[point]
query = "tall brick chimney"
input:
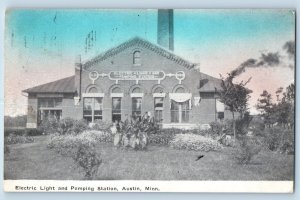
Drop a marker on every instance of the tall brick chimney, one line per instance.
(165, 26)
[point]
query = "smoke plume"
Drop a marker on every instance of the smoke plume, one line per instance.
(289, 47)
(269, 59)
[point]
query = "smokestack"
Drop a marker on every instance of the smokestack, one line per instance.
(165, 33)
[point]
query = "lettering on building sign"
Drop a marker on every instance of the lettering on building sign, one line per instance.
(137, 75)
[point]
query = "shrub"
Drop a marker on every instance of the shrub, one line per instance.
(87, 158)
(99, 136)
(50, 125)
(216, 128)
(18, 139)
(71, 126)
(22, 131)
(101, 125)
(195, 142)
(33, 132)
(161, 139)
(81, 148)
(245, 151)
(279, 139)
(15, 131)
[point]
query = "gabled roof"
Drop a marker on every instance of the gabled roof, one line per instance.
(144, 43)
(209, 83)
(65, 85)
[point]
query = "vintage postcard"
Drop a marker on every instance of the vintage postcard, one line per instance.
(149, 100)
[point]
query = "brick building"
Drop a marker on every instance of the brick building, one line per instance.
(128, 80)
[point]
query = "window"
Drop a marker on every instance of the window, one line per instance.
(49, 107)
(137, 107)
(180, 112)
(93, 90)
(158, 109)
(116, 109)
(220, 108)
(92, 108)
(137, 58)
(180, 90)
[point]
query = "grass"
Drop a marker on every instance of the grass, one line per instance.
(36, 161)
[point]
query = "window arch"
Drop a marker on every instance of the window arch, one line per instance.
(158, 90)
(137, 58)
(137, 90)
(116, 90)
(180, 90)
(92, 90)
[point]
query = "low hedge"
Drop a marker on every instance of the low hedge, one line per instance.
(18, 139)
(22, 131)
(195, 142)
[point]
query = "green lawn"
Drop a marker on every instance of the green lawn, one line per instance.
(36, 161)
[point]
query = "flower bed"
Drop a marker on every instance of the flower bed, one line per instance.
(195, 142)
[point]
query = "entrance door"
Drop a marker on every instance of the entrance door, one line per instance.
(179, 112)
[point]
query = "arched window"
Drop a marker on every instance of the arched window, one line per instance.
(93, 90)
(116, 90)
(137, 58)
(137, 90)
(180, 90)
(158, 90)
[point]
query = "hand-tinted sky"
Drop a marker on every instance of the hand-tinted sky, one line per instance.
(41, 45)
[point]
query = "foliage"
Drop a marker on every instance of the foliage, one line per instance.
(80, 147)
(101, 125)
(71, 126)
(49, 125)
(162, 138)
(18, 121)
(87, 158)
(265, 106)
(194, 142)
(235, 96)
(245, 150)
(99, 136)
(134, 132)
(63, 126)
(22, 131)
(18, 139)
(279, 139)
(281, 112)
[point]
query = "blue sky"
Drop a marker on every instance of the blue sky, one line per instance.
(44, 43)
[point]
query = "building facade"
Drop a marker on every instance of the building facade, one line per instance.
(129, 80)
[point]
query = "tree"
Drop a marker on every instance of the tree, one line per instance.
(235, 96)
(267, 108)
(282, 111)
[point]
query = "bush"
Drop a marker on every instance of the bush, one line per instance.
(63, 126)
(87, 158)
(17, 139)
(99, 136)
(22, 131)
(71, 126)
(101, 125)
(50, 125)
(279, 139)
(81, 148)
(161, 139)
(245, 151)
(33, 132)
(195, 142)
